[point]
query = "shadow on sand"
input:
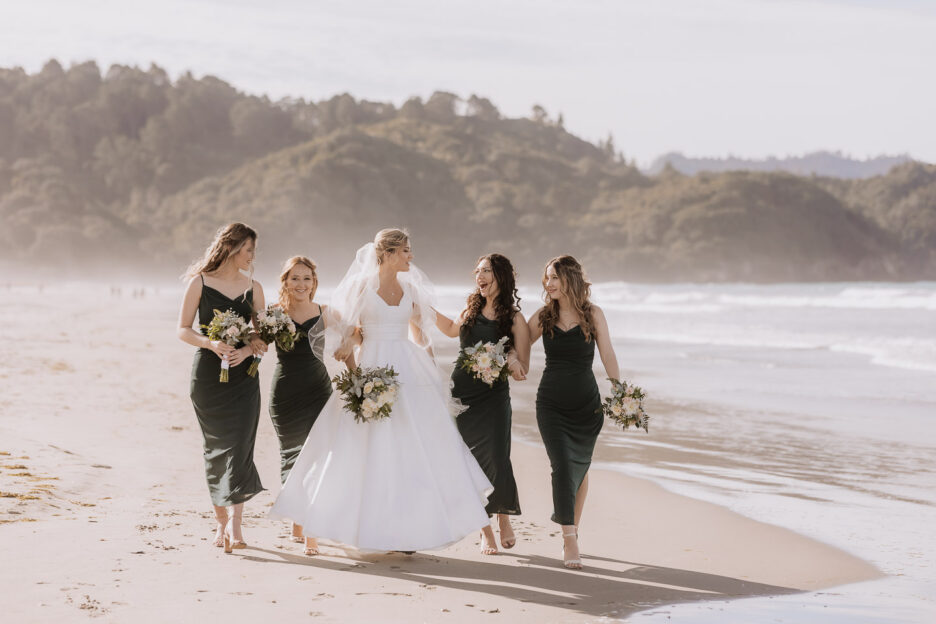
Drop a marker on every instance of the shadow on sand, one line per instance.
(607, 587)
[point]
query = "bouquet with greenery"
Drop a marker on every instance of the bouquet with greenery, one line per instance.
(230, 328)
(368, 393)
(486, 361)
(274, 325)
(625, 405)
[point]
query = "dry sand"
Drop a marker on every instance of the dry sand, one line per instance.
(104, 512)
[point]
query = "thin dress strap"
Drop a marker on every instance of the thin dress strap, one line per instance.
(202, 276)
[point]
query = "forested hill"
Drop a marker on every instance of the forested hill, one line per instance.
(132, 171)
(829, 164)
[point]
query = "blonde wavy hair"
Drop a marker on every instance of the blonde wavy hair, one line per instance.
(288, 266)
(576, 287)
(389, 240)
(228, 240)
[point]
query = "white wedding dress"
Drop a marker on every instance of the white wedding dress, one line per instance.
(407, 482)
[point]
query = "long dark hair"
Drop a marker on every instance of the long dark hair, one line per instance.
(506, 303)
(577, 289)
(227, 241)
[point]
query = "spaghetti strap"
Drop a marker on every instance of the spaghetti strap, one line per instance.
(202, 276)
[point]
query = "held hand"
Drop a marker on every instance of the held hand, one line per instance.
(516, 370)
(239, 355)
(257, 346)
(220, 348)
(343, 352)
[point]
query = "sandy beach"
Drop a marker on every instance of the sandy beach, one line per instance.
(104, 511)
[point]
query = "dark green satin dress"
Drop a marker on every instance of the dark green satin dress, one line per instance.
(301, 386)
(568, 415)
(485, 425)
(228, 413)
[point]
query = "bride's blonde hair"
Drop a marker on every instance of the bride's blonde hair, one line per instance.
(389, 240)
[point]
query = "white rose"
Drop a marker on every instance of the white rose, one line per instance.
(368, 387)
(383, 399)
(616, 409)
(232, 331)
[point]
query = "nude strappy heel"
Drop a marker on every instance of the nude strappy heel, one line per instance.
(229, 542)
(571, 564)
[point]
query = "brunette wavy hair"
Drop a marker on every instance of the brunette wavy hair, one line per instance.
(506, 302)
(576, 287)
(288, 266)
(228, 240)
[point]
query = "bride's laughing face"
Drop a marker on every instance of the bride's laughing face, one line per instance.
(399, 259)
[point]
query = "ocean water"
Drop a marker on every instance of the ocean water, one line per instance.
(810, 406)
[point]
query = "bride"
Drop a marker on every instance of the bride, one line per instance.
(407, 482)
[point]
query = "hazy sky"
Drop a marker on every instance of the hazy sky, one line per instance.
(709, 78)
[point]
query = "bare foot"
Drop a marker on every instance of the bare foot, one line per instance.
(488, 543)
(311, 547)
(296, 533)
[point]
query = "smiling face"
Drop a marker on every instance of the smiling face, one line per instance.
(552, 284)
(245, 255)
(399, 259)
(485, 280)
(300, 283)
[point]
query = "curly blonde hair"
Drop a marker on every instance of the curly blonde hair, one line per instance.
(576, 287)
(288, 266)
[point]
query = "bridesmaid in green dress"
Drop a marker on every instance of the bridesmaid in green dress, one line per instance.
(228, 413)
(492, 312)
(568, 407)
(301, 384)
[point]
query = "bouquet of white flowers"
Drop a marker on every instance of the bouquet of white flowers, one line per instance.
(368, 393)
(274, 325)
(486, 361)
(625, 405)
(230, 328)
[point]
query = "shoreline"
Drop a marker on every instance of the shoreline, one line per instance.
(115, 521)
(638, 549)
